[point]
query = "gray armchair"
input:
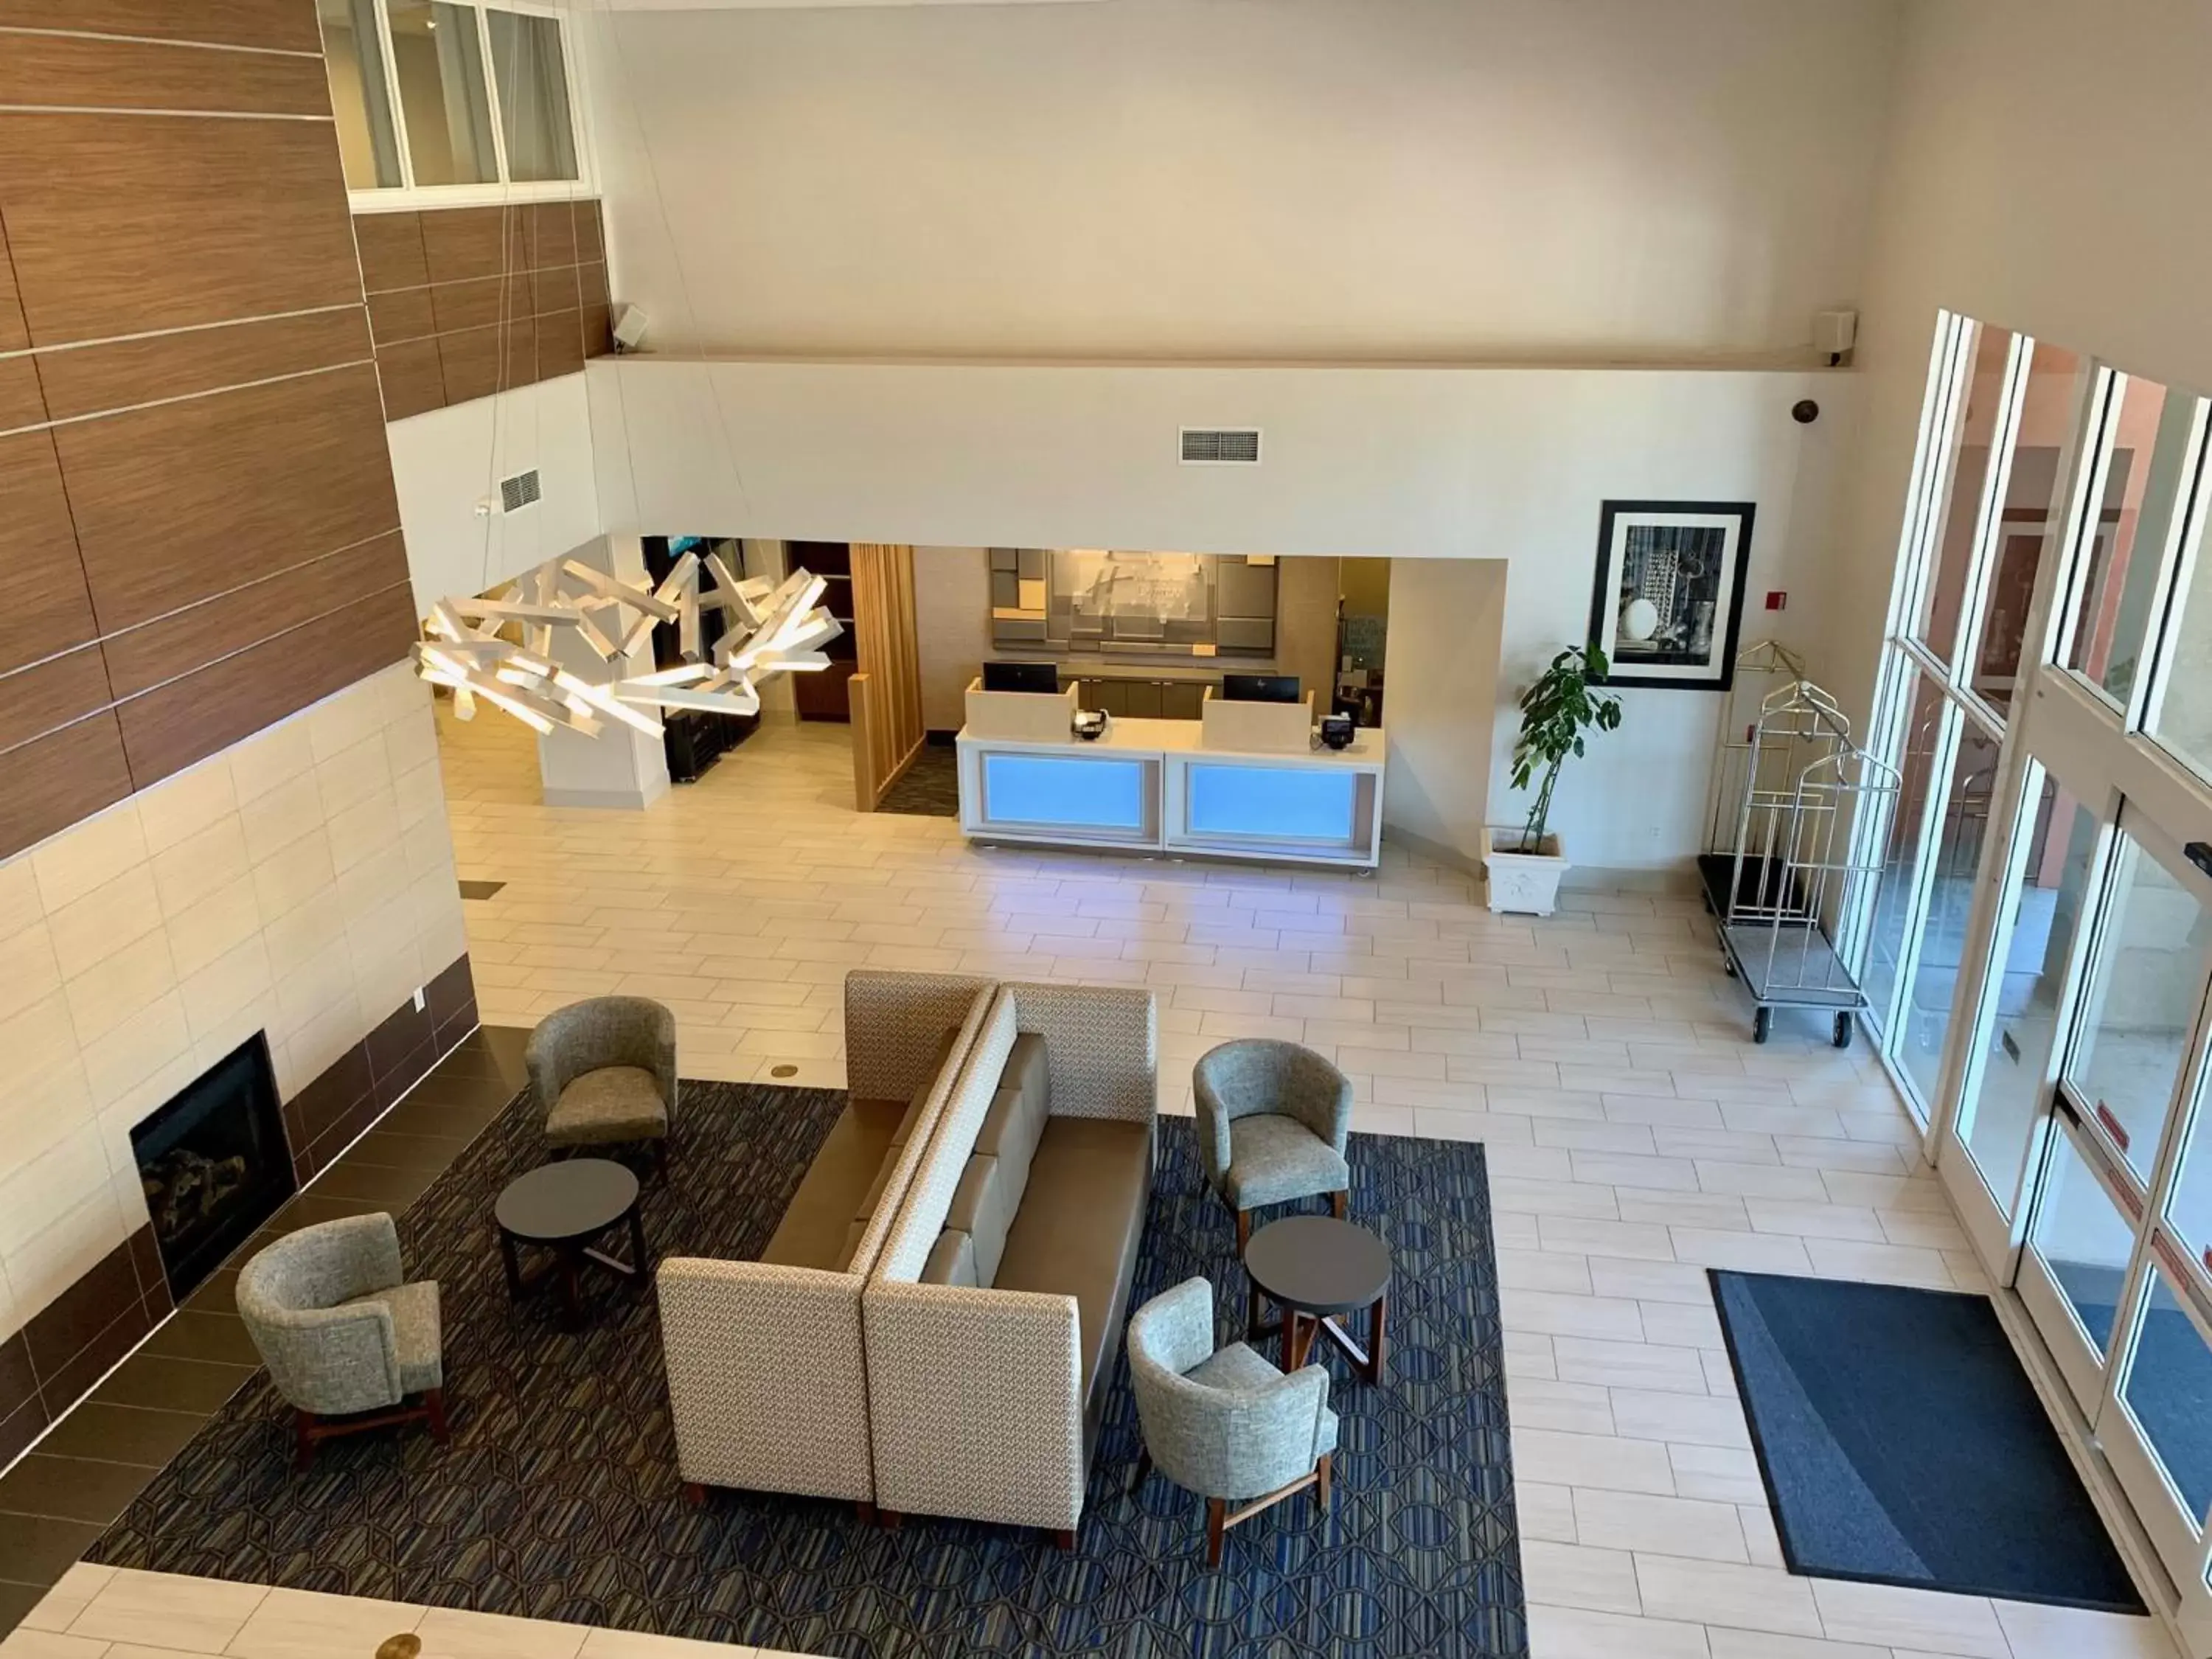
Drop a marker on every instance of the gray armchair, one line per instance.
(343, 1333)
(1273, 1121)
(603, 1073)
(1225, 1424)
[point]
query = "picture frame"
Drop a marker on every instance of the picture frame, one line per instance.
(1666, 602)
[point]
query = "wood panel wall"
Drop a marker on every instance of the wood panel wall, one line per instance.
(886, 692)
(466, 301)
(198, 532)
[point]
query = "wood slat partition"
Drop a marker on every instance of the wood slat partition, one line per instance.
(886, 692)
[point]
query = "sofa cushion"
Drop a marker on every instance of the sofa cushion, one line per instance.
(816, 1228)
(951, 1261)
(824, 1221)
(1019, 1108)
(983, 1207)
(991, 1182)
(1078, 1228)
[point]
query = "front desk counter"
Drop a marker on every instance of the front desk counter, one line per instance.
(1154, 785)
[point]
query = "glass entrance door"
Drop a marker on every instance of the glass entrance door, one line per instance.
(2039, 957)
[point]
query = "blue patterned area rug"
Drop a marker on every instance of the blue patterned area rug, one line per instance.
(558, 1496)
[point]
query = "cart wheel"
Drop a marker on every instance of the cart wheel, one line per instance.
(1844, 1024)
(1728, 967)
(1761, 1023)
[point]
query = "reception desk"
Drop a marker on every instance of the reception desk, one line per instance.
(1159, 785)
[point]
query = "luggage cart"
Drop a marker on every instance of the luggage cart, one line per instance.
(1780, 871)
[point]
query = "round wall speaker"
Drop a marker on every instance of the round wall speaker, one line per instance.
(1804, 412)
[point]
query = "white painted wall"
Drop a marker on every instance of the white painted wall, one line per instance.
(1592, 181)
(448, 462)
(1497, 464)
(2047, 174)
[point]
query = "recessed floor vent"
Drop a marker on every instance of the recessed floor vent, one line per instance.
(1214, 446)
(518, 491)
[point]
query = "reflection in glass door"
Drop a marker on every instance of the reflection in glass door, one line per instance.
(2002, 1104)
(2145, 988)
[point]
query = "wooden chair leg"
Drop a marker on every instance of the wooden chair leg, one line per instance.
(892, 1519)
(1217, 1522)
(1321, 1482)
(303, 1439)
(694, 1493)
(1144, 1469)
(1339, 1202)
(1243, 1231)
(866, 1509)
(434, 1402)
(1065, 1537)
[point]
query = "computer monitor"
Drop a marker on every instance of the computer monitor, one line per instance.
(1260, 688)
(1022, 677)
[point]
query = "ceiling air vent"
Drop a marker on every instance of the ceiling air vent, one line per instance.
(1214, 446)
(518, 492)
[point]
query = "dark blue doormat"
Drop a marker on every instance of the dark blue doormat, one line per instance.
(1901, 1444)
(559, 1496)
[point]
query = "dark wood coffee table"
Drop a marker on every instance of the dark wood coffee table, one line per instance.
(1318, 1269)
(566, 1207)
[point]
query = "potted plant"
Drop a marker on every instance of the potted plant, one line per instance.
(1524, 866)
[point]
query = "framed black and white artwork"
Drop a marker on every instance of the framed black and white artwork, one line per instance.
(1668, 599)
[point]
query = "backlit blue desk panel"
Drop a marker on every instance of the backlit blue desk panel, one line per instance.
(1248, 803)
(1073, 792)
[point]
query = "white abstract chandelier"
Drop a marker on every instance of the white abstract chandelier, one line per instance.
(772, 630)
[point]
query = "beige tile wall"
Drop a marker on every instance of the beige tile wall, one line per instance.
(301, 882)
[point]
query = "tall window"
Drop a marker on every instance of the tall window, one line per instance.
(1990, 500)
(481, 93)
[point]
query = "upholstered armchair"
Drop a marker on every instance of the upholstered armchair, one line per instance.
(1273, 1121)
(603, 1073)
(343, 1333)
(1225, 1424)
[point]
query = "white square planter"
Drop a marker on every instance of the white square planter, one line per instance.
(1526, 884)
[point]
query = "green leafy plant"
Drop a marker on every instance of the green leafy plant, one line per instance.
(1555, 713)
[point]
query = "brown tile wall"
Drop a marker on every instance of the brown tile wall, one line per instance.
(191, 426)
(50, 1365)
(466, 301)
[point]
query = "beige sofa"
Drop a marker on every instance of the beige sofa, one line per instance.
(992, 1315)
(767, 1372)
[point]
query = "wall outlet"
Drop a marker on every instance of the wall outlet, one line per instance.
(421, 1002)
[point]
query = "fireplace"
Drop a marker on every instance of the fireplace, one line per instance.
(215, 1164)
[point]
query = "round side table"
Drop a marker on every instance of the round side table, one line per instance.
(1319, 1270)
(566, 1207)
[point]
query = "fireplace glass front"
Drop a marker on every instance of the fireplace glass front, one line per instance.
(215, 1164)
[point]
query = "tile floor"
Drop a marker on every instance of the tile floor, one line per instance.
(1635, 1134)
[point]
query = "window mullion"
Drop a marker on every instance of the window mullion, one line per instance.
(1989, 512)
(491, 95)
(2090, 482)
(391, 54)
(2177, 572)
